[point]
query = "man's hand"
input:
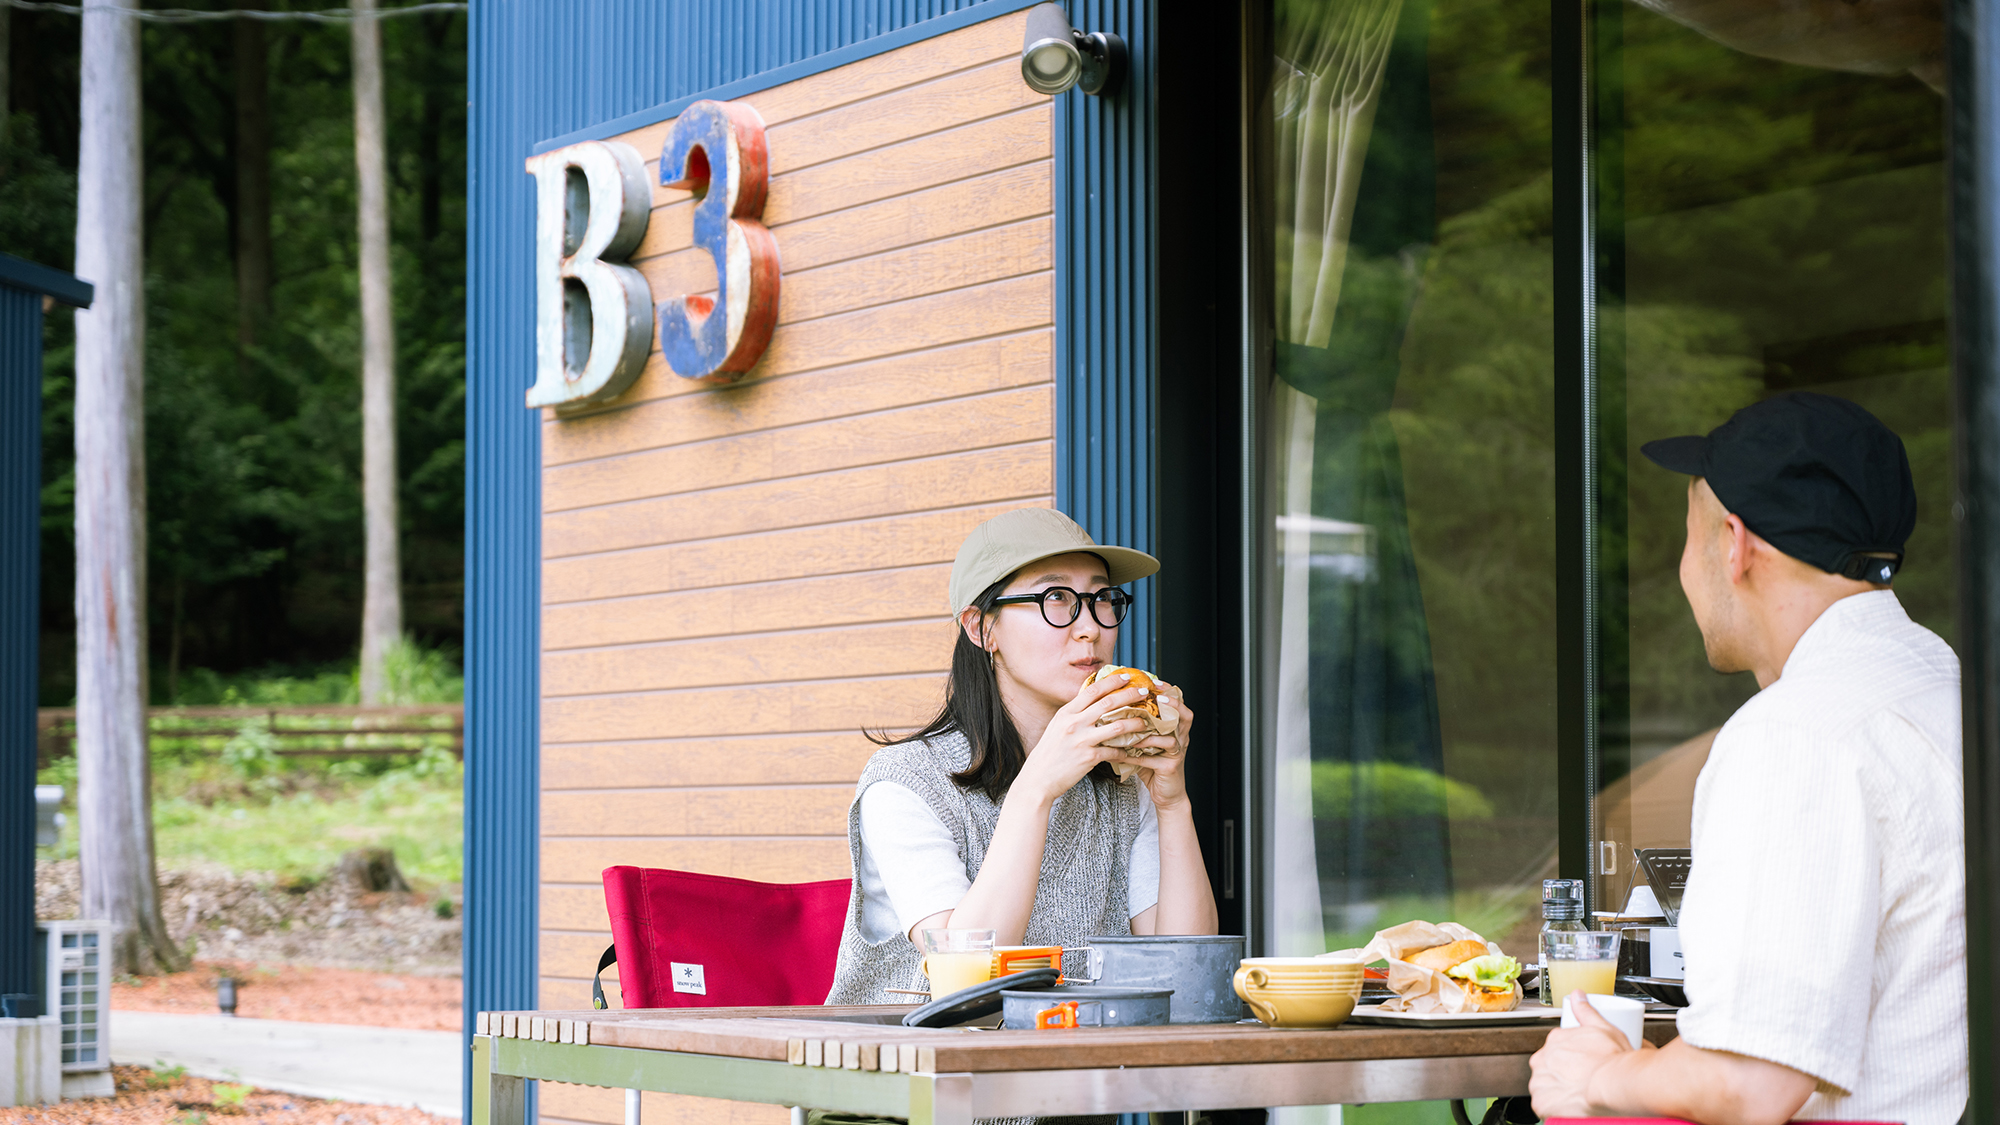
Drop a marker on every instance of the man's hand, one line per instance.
(1591, 1069)
(1563, 1068)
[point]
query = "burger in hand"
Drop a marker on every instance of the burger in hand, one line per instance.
(1490, 980)
(1147, 710)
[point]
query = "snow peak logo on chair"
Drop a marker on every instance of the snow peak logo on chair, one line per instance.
(594, 314)
(689, 978)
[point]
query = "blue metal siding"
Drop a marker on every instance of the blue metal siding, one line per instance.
(537, 72)
(20, 542)
(1104, 305)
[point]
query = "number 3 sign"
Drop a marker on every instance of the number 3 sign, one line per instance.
(717, 151)
(592, 204)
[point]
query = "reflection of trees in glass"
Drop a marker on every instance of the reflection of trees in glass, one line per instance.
(1784, 228)
(1430, 392)
(1878, 37)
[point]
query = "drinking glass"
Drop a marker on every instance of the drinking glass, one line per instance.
(956, 960)
(1581, 962)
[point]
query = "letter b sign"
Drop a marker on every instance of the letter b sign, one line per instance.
(593, 316)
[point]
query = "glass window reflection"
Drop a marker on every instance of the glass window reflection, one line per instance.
(1408, 671)
(1777, 222)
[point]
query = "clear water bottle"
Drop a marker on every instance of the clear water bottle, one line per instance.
(1562, 912)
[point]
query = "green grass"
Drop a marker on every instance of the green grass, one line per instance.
(246, 809)
(297, 819)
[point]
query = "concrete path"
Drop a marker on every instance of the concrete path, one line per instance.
(376, 1065)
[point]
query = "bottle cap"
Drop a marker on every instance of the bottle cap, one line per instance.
(1562, 900)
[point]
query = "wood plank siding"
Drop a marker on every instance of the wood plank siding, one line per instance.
(737, 579)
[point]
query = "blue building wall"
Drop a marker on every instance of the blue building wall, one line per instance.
(23, 285)
(542, 75)
(1105, 301)
(20, 542)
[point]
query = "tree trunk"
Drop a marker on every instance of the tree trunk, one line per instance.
(253, 190)
(114, 775)
(382, 600)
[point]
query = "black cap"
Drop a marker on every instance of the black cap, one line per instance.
(1817, 477)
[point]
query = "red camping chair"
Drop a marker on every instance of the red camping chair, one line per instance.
(683, 940)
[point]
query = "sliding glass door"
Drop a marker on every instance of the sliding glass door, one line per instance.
(1444, 392)
(1406, 461)
(1770, 217)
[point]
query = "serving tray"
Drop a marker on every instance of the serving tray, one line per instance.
(1525, 1014)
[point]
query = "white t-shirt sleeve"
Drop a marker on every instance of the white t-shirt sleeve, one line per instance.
(1142, 885)
(909, 861)
(1779, 920)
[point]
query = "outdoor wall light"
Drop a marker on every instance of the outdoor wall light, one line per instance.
(1056, 56)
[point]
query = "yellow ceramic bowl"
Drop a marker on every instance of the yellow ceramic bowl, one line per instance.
(1299, 991)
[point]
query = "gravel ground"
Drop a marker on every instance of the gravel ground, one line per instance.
(146, 1098)
(253, 918)
(302, 992)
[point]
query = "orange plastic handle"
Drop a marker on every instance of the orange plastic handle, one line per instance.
(1062, 1015)
(1007, 962)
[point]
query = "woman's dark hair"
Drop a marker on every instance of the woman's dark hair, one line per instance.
(973, 708)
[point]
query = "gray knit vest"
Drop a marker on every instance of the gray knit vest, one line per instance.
(1082, 891)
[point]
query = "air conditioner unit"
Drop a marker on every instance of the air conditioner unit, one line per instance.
(76, 988)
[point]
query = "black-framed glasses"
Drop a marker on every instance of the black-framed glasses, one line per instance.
(1061, 605)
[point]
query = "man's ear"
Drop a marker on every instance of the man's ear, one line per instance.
(969, 619)
(1740, 546)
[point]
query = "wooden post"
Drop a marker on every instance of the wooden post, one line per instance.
(382, 597)
(114, 775)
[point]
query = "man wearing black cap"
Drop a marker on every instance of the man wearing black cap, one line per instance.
(1823, 923)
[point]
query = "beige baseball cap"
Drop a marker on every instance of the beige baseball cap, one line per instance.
(1012, 540)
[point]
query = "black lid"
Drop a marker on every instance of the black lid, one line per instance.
(1817, 477)
(982, 999)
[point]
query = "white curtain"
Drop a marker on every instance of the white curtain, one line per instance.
(1298, 920)
(1326, 81)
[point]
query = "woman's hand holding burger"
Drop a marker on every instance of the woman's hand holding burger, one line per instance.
(1073, 743)
(1162, 775)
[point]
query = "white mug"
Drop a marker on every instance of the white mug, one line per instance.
(1627, 1015)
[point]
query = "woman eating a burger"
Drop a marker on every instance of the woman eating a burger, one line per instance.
(1005, 811)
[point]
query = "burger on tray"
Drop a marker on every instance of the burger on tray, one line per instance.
(1442, 967)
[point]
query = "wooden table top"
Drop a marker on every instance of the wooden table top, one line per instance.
(805, 1036)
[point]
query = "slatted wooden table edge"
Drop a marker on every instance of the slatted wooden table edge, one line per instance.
(800, 1037)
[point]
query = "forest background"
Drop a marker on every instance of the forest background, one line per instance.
(253, 414)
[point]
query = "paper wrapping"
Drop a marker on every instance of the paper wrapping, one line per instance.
(1166, 722)
(1419, 989)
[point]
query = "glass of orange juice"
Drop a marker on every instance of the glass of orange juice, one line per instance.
(956, 960)
(1580, 962)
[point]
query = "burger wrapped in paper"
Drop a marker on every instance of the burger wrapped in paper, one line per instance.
(1147, 709)
(1442, 968)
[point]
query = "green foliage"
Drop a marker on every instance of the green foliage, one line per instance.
(231, 1094)
(253, 443)
(164, 1075)
(1493, 913)
(228, 800)
(414, 674)
(37, 197)
(253, 752)
(1391, 791)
